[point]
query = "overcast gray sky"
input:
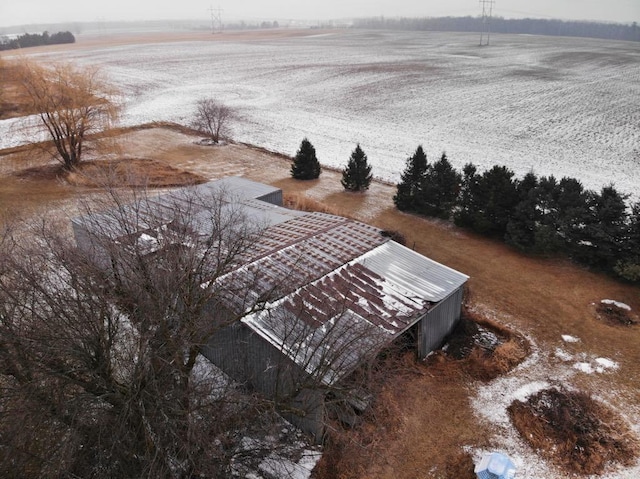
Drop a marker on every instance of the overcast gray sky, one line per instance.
(18, 12)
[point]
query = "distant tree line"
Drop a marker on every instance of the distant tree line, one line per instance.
(538, 215)
(36, 40)
(532, 26)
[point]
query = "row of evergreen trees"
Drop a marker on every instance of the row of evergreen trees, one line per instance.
(356, 176)
(540, 215)
(36, 40)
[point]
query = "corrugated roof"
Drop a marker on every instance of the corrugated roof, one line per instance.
(289, 255)
(385, 291)
(318, 273)
(192, 205)
(412, 273)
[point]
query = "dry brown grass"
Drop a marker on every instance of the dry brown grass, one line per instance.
(301, 202)
(574, 431)
(13, 101)
(413, 429)
(132, 172)
(31, 183)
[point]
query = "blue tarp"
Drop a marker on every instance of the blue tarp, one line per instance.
(495, 466)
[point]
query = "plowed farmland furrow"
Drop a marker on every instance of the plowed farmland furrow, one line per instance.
(561, 106)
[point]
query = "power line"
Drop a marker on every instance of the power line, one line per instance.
(216, 18)
(487, 10)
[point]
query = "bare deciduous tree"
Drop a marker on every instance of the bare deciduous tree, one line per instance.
(213, 118)
(100, 372)
(71, 104)
(97, 363)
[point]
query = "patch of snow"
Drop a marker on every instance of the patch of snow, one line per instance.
(584, 367)
(208, 376)
(570, 339)
(492, 400)
(522, 393)
(275, 465)
(289, 456)
(597, 365)
(605, 363)
(616, 303)
(562, 355)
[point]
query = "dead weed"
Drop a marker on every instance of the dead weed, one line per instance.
(348, 452)
(485, 348)
(301, 202)
(133, 172)
(574, 431)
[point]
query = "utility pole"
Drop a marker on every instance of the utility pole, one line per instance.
(487, 9)
(216, 18)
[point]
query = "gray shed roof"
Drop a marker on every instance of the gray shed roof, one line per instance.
(414, 274)
(148, 214)
(237, 188)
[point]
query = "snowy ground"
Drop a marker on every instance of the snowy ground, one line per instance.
(542, 370)
(568, 107)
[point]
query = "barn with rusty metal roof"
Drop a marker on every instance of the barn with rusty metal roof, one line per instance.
(338, 291)
(331, 292)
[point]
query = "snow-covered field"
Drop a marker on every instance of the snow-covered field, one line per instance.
(562, 106)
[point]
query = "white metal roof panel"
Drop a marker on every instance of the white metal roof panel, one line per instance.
(413, 273)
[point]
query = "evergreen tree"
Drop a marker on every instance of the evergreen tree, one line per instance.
(409, 192)
(605, 230)
(467, 207)
(440, 189)
(357, 174)
(305, 164)
(628, 267)
(493, 199)
(547, 236)
(523, 225)
(572, 212)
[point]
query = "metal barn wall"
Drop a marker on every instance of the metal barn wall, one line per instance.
(227, 350)
(439, 322)
(254, 362)
(275, 198)
(88, 243)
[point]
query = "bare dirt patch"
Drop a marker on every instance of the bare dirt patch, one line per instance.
(615, 315)
(574, 431)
